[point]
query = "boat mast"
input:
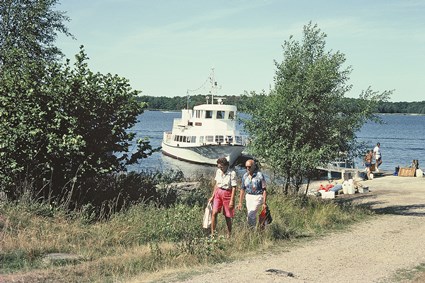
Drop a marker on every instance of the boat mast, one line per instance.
(213, 85)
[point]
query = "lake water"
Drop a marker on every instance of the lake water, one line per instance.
(402, 139)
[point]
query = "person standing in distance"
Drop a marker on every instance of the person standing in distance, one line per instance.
(253, 188)
(223, 196)
(378, 156)
(368, 162)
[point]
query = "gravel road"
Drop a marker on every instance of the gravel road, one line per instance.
(372, 251)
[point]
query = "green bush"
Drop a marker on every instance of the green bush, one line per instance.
(147, 236)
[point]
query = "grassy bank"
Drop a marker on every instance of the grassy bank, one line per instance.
(146, 238)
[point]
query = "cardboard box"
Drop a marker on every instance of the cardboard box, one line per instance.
(330, 194)
(363, 190)
(407, 172)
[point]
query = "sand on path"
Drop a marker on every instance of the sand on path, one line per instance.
(372, 251)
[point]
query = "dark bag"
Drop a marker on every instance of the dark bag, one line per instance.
(265, 217)
(269, 218)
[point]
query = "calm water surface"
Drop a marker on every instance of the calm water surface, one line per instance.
(402, 139)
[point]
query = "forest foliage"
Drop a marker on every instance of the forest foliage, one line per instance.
(177, 103)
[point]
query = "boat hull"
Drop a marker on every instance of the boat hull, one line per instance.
(207, 154)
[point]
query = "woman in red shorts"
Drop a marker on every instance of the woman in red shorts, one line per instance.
(224, 194)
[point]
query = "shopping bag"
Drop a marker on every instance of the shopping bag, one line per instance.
(269, 218)
(265, 217)
(206, 223)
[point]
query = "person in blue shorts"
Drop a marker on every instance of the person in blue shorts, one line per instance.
(368, 162)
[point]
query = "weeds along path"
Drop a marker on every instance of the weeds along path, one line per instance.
(372, 251)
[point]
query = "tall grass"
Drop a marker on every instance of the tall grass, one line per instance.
(147, 237)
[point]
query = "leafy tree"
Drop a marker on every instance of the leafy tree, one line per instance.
(66, 127)
(28, 29)
(59, 125)
(305, 121)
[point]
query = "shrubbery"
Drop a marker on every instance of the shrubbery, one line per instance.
(149, 236)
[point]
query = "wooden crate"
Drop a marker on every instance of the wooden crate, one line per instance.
(407, 172)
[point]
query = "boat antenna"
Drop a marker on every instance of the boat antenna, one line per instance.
(213, 85)
(195, 90)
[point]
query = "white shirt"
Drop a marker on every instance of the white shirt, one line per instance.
(226, 180)
(377, 152)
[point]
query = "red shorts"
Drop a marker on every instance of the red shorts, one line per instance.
(222, 200)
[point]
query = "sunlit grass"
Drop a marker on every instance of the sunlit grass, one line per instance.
(148, 238)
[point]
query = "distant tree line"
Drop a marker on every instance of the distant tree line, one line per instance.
(181, 102)
(402, 107)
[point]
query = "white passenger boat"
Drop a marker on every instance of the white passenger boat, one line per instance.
(205, 133)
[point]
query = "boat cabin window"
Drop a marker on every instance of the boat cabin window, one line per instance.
(198, 113)
(238, 139)
(198, 123)
(187, 139)
(201, 139)
(220, 115)
(219, 139)
(208, 114)
(232, 115)
(209, 138)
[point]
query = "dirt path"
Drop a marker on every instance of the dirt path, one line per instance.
(368, 252)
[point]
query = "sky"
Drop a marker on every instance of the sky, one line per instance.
(169, 47)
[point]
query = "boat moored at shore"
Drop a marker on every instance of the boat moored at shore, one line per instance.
(204, 134)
